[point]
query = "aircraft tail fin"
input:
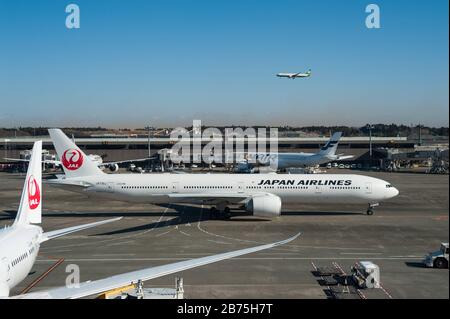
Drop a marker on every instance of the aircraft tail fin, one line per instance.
(30, 208)
(74, 162)
(331, 146)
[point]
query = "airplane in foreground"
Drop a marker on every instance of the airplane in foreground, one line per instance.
(19, 243)
(295, 75)
(280, 161)
(90, 288)
(260, 194)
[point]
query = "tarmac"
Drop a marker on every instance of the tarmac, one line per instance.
(396, 238)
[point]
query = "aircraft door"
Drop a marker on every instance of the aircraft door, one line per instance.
(110, 187)
(368, 188)
(175, 187)
(240, 187)
(318, 189)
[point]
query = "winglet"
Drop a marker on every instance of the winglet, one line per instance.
(287, 240)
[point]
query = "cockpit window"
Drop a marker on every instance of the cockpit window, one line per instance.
(388, 186)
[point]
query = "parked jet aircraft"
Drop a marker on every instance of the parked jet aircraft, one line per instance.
(295, 75)
(260, 194)
(89, 288)
(19, 243)
(281, 161)
(97, 159)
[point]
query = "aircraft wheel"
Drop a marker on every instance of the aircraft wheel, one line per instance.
(213, 212)
(369, 212)
(440, 263)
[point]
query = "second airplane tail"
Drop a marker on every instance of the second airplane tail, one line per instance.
(73, 160)
(331, 146)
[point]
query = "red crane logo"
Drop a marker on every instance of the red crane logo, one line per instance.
(72, 159)
(34, 193)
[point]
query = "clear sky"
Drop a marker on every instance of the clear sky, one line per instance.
(137, 63)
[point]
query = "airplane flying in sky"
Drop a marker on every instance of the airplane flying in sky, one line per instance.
(90, 288)
(295, 75)
(260, 194)
(280, 161)
(19, 243)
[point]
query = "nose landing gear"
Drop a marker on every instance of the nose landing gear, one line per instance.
(370, 211)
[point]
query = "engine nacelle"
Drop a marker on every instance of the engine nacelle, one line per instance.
(113, 167)
(264, 205)
(243, 167)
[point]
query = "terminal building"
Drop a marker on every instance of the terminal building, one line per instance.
(113, 148)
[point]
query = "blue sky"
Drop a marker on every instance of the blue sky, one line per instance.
(137, 63)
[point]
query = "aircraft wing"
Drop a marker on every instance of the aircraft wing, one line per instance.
(54, 162)
(61, 232)
(340, 158)
(285, 75)
(208, 198)
(128, 161)
(16, 159)
(89, 288)
(68, 183)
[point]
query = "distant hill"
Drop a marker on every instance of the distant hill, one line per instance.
(378, 130)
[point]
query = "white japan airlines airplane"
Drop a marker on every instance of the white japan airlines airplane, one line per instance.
(260, 194)
(97, 159)
(19, 243)
(289, 160)
(89, 288)
(295, 75)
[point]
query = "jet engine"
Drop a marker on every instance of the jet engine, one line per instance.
(264, 205)
(113, 167)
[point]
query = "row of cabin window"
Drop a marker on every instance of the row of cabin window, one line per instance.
(279, 187)
(298, 187)
(19, 259)
(205, 187)
(145, 187)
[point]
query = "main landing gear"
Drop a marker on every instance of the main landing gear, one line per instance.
(370, 208)
(224, 213)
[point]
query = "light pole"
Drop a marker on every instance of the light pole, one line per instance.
(148, 140)
(420, 134)
(370, 128)
(6, 147)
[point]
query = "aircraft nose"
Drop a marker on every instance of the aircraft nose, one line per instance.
(395, 192)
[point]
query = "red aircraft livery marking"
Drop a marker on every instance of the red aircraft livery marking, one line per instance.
(34, 193)
(72, 159)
